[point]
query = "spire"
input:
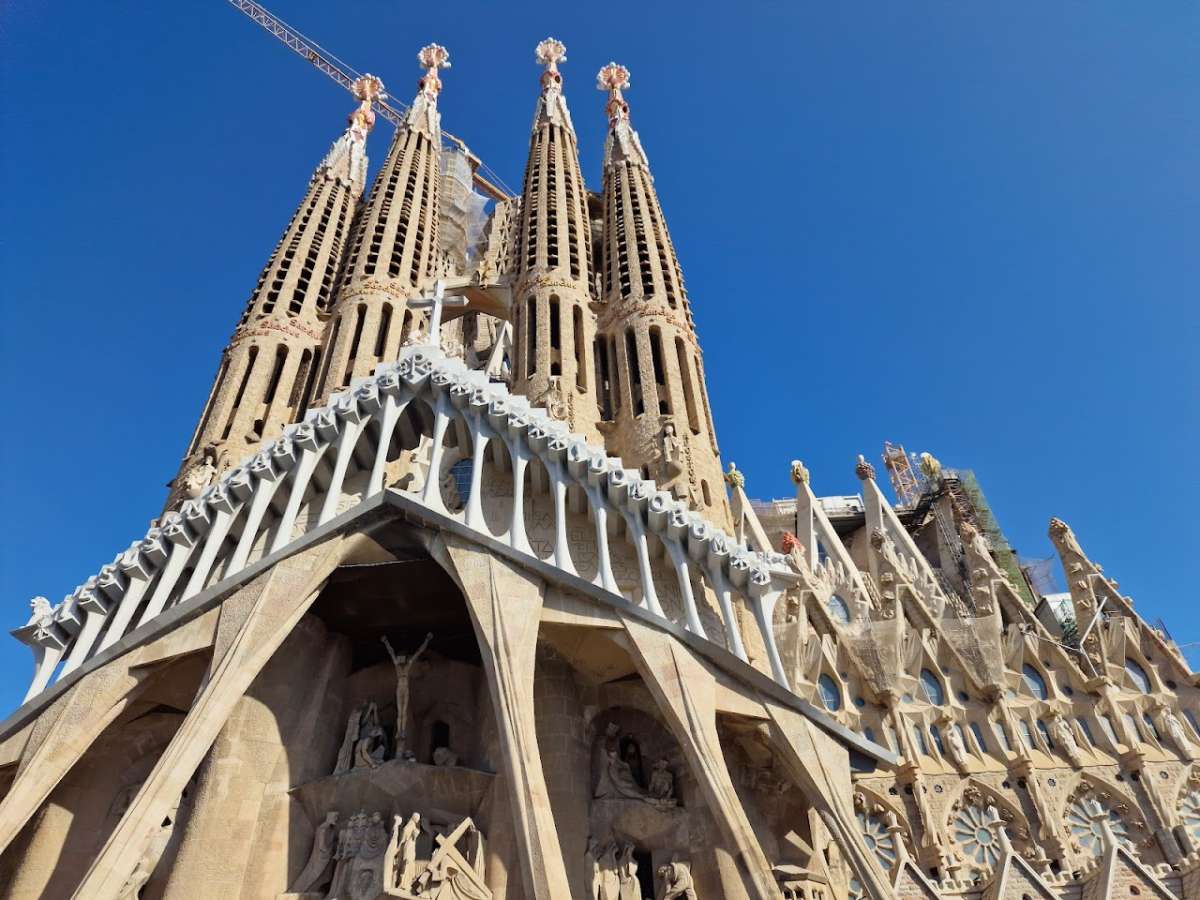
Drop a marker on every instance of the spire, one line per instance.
(552, 105)
(553, 324)
(347, 158)
(395, 253)
(423, 115)
(649, 366)
(267, 372)
(622, 143)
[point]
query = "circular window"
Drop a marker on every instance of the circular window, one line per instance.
(838, 610)
(1034, 681)
(830, 695)
(932, 688)
(860, 702)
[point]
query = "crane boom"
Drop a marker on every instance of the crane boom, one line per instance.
(345, 75)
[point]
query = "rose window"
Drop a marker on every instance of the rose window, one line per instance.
(1189, 813)
(1085, 829)
(879, 840)
(973, 832)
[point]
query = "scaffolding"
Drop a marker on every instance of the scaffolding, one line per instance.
(461, 211)
(907, 482)
(972, 505)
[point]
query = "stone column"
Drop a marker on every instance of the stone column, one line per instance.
(505, 604)
(254, 622)
(236, 838)
(685, 691)
(820, 767)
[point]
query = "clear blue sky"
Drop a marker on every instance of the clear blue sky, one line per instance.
(969, 227)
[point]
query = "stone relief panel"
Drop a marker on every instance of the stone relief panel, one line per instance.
(419, 857)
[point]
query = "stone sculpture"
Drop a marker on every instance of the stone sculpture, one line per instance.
(620, 767)
(371, 747)
(610, 878)
(407, 852)
(1175, 730)
(1061, 732)
(662, 782)
(321, 857)
(404, 666)
(349, 840)
(444, 756)
(955, 746)
(677, 881)
(345, 760)
(669, 466)
(627, 874)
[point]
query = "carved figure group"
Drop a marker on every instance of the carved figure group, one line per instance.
(613, 870)
(620, 772)
(361, 860)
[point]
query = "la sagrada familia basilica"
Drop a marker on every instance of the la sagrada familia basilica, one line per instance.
(453, 598)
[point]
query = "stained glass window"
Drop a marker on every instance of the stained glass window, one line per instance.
(1034, 681)
(1138, 676)
(932, 688)
(838, 610)
(830, 695)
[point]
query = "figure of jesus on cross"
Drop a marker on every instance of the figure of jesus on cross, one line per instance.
(435, 304)
(404, 666)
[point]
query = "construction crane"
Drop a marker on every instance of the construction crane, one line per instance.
(485, 179)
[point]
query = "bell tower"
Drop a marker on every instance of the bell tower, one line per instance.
(268, 369)
(651, 374)
(395, 254)
(554, 326)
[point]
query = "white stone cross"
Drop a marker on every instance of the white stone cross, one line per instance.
(435, 303)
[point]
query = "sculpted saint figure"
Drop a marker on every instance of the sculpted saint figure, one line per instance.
(404, 666)
(955, 746)
(345, 760)
(627, 873)
(610, 878)
(371, 746)
(1175, 729)
(408, 852)
(324, 843)
(677, 880)
(591, 860)
(1065, 738)
(662, 782)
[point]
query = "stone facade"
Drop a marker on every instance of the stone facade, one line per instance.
(482, 618)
